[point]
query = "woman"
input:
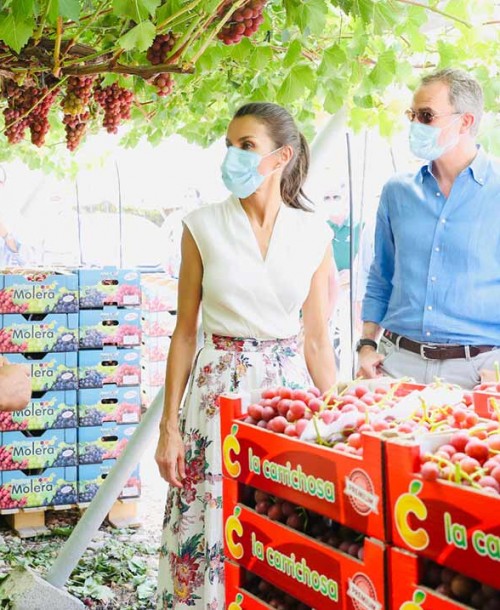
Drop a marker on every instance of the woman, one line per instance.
(253, 262)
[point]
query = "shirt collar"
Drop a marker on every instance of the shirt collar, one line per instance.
(477, 168)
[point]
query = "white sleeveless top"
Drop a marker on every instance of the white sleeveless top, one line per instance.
(244, 295)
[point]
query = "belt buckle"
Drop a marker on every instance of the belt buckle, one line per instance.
(423, 346)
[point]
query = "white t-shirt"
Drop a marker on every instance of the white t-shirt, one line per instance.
(244, 295)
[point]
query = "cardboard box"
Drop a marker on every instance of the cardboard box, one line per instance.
(155, 349)
(99, 443)
(109, 404)
(53, 371)
(52, 487)
(347, 488)
(158, 324)
(454, 525)
(149, 393)
(39, 292)
(310, 571)
(48, 449)
(109, 286)
(92, 476)
(153, 373)
(50, 410)
(159, 292)
(110, 326)
(57, 332)
(120, 367)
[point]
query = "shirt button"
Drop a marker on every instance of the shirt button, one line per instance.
(438, 194)
(428, 334)
(433, 278)
(437, 248)
(443, 220)
(429, 307)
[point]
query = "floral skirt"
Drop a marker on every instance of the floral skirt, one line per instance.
(191, 570)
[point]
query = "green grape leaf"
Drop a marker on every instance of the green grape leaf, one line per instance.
(293, 54)
(139, 37)
(333, 57)
(138, 10)
(16, 31)
(383, 72)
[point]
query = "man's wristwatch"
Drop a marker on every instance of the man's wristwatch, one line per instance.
(362, 342)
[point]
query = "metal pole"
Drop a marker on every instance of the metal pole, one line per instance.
(104, 499)
(351, 247)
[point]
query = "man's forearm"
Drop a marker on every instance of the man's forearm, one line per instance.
(371, 330)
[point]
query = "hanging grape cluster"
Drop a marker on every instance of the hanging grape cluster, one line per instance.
(157, 54)
(243, 22)
(28, 107)
(116, 103)
(75, 103)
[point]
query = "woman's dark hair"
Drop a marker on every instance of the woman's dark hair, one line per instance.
(283, 131)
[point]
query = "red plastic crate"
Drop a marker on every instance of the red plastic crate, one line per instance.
(345, 488)
(315, 574)
(236, 596)
(456, 526)
(406, 592)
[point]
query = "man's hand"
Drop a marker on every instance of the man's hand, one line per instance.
(369, 362)
(15, 387)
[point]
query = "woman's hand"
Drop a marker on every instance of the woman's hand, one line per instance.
(170, 456)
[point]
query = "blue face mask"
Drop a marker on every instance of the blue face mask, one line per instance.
(424, 140)
(240, 171)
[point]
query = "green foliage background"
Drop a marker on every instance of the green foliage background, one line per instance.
(313, 56)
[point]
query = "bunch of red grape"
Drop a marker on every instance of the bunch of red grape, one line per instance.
(125, 413)
(164, 84)
(6, 501)
(270, 594)
(78, 94)
(452, 584)
(76, 127)
(127, 294)
(7, 423)
(28, 107)
(114, 450)
(7, 304)
(7, 345)
(161, 47)
(6, 461)
(116, 103)
(312, 524)
(243, 22)
(125, 374)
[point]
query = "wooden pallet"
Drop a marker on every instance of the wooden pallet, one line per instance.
(30, 522)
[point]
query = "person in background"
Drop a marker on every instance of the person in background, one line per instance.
(10, 247)
(434, 285)
(336, 205)
(15, 386)
(253, 263)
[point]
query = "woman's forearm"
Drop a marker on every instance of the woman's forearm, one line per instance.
(320, 362)
(179, 364)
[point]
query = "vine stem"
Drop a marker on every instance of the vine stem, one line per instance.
(39, 31)
(84, 27)
(179, 13)
(110, 67)
(214, 33)
(433, 9)
(37, 103)
(57, 48)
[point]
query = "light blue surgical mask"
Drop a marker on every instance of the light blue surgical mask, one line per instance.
(240, 171)
(424, 140)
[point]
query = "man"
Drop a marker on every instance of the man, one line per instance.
(15, 386)
(434, 284)
(336, 205)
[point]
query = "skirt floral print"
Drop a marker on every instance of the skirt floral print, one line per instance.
(191, 570)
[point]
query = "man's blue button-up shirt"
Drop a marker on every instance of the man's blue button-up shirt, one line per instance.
(436, 273)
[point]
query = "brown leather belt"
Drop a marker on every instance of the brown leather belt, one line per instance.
(437, 352)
